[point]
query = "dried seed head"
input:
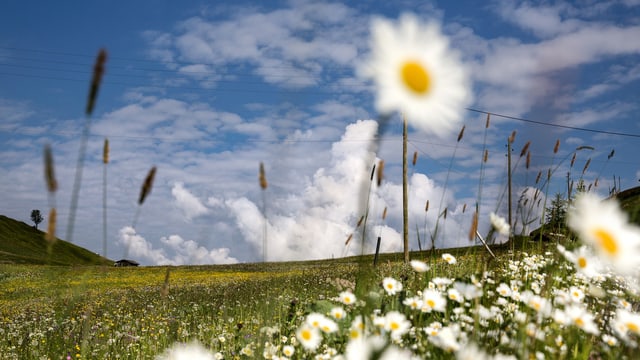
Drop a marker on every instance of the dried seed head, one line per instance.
(613, 151)
(50, 236)
(105, 152)
(373, 171)
(415, 158)
(555, 148)
(464, 208)
(486, 125)
(474, 226)
(525, 148)
(360, 221)
(49, 173)
(596, 182)
(98, 71)
(444, 213)
(486, 156)
(573, 159)
(348, 239)
(262, 177)
(538, 177)
(528, 159)
(426, 206)
(147, 185)
(384, 213)
(512, 138)
(461, 134)
(164, 292)
(380, 173)
(586, 166)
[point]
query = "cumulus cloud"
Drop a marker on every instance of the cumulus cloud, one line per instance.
(329, 207)
(190, 205)
(176, 250)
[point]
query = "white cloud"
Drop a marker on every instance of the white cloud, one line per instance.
(542, 20)
(190, 205)
(184, 251)
(316, 222)
(289, 46)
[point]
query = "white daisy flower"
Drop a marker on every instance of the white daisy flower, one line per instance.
(447, 338)
(347, 298)
(454, 295)
(338, 313)
(309, 337)
(414, 302)
(605, 227)
(576, 294)
(288, 350)
(391, 285)
(397, 324)
(500, 224)
(432, 300)
(580, 317)
(189, 351)
(450, 259)
(504, 290)
(417, 74)
(419, 266)
(583, 260)
(626, 321)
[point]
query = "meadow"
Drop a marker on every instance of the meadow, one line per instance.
(530, 303)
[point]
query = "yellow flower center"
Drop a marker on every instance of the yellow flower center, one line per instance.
(416, 77)
(582, 262)
(306, 334)
(395, 326)
(606, 241)
(579, 322)
(633, 327)
(431, 303)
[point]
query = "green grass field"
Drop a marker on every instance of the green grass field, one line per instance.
(255, 310)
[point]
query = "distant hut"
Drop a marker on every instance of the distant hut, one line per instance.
(125, 262)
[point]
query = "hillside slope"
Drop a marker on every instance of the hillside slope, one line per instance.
(23, 244)
(630, 202)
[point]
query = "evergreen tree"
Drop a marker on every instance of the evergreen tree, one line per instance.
(557, 213)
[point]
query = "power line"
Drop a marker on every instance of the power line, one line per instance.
(244, 90)
(554, 125)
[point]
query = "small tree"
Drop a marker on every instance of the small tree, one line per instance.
(36, 217)
(557, 213)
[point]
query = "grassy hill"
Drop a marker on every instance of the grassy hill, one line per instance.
(21, 243)
(630, 202)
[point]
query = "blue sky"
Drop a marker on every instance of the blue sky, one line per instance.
(206, 91)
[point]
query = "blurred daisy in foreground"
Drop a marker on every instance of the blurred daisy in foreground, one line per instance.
(417, 74)
(450, 259)
(419, 266)
(626, 322)
(602, 225)
(347, 298)
(584, 261)
(309, 337)
(499, 224)
(191, 351)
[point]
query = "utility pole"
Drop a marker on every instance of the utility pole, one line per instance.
(405, 197)
(509, 176)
